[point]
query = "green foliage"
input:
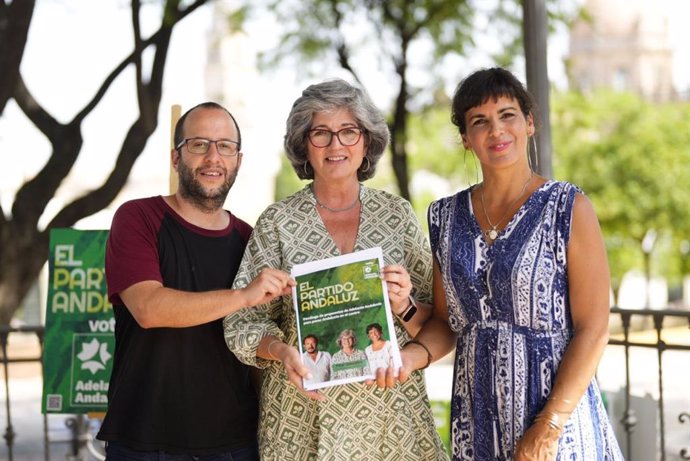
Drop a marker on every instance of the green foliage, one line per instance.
(433, 148)
(506, 25)
(287, 182)
(361, 37)
(508, 16)
(630, 156)
(357, 36)
(238, 17)
(441, 412)
(434, 145)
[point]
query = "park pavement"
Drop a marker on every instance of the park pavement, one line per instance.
(28, 422)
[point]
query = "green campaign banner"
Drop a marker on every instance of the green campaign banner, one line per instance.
(79, 332)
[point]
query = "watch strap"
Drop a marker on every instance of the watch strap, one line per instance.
(410, 311)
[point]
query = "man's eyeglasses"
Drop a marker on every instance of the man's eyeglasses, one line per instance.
(347, 136)
(200, 146)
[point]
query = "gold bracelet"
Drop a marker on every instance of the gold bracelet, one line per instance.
(429, 357)
(551, 418)
(268, 348)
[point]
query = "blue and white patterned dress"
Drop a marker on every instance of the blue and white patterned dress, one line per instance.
(509, 303)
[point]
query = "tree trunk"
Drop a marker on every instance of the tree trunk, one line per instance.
(22, 257)
(399, 157)
(398, 127)
(15, 19)
(23, 247)
(535, 31)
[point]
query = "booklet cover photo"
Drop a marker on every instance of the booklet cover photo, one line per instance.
(344, 322)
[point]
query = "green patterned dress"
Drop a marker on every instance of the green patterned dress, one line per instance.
(356, 421)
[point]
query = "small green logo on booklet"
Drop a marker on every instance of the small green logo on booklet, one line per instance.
(371, 270)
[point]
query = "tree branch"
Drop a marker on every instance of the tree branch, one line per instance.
(340, 44)
(432, 11)
(45, 122)
(3, 220)
(130, 59)
(135, 141)
(66, 140)
(34, 195)
(15, 20)
(101, 197)
(138, 49)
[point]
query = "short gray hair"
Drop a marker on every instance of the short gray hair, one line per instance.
(330, 95)
(348, 333)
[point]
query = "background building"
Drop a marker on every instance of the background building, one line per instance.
(624, 45)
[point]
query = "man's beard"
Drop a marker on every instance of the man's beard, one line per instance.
(192, 190)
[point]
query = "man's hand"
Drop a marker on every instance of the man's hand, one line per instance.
(266, 286)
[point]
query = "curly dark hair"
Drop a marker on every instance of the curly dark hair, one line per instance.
(375, 326)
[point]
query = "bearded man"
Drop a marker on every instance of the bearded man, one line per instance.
(176, 389)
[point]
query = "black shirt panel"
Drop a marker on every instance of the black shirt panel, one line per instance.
(181, 389)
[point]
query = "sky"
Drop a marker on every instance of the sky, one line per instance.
(62, 68)
(72, 46)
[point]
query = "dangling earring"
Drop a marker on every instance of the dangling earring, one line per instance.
(306, 171)
(536, 156)
(364, 170)
(464, 163)
(476, 170)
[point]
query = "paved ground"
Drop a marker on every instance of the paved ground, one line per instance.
(26, 387)
(28, 422)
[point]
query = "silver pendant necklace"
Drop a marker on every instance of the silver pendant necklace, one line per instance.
(492, 233)
(336, 210)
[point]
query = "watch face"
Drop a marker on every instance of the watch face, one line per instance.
(409, 313)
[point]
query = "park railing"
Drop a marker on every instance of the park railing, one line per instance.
(629, 320)
(9, 434)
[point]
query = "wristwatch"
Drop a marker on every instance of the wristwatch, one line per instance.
(410, 311)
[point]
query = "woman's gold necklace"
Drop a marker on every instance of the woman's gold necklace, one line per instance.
(337, 210)
(492, 234)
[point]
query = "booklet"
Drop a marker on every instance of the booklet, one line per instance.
(342, 308)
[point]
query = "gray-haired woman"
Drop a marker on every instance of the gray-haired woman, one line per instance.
(348, 362)
(336, 136)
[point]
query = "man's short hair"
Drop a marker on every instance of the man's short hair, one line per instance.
(179, 126)
(311, 336)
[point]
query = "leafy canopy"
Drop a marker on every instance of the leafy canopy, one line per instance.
(630, 156)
